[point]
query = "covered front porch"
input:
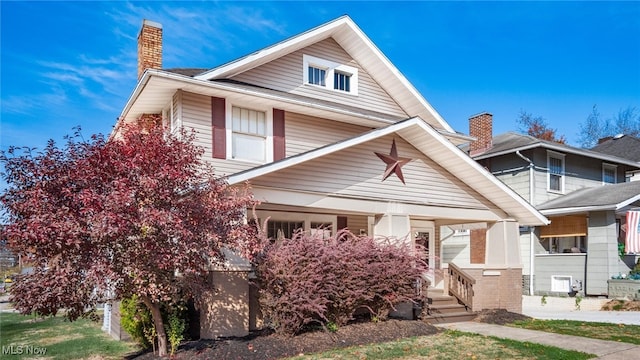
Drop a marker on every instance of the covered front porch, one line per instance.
(490, 278)
(428, 188)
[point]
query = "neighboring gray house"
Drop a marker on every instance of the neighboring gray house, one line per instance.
(583, 193)
(624, 146)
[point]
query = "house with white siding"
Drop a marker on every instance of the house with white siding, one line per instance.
(331, 135)
(586, 194)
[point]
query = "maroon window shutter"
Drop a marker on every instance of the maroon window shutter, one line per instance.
(342, 222)
(279, 148)
(219, 146)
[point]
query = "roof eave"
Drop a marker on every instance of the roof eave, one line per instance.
(560, 148)
(181, 79)
(576, 210)
(407, 128)
(407, 96)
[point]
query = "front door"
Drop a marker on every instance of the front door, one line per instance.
(423, 233)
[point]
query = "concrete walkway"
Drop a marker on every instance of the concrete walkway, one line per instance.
(563, 309)
(607, 350)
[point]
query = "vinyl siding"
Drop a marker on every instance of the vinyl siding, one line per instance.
(286, 74)
(603, 259)
(304, 133)
(455, 249)
(355, 223)
(357, 172)
(580, 172)
(513, 172)
(525, 248)
(557, 264)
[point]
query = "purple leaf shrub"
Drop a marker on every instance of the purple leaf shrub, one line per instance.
(308, 279)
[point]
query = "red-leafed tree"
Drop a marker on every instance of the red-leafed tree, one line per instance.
(101, 219)
(537, 127)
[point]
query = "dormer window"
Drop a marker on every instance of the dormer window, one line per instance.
(341, 81)
(330, 75)
(317, 76)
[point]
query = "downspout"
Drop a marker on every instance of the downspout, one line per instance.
(531, 228)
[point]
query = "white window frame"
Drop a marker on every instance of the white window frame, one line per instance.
(613, 167)
(306, 219)
(330, 68)
(229, 104)
(558, 156)
(171, 122)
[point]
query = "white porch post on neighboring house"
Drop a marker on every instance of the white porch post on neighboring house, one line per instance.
(106, 320)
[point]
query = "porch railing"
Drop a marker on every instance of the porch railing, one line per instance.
(460, 285)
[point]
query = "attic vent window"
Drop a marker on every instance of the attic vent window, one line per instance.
(317, 76)
(341, 81)
(330, 75)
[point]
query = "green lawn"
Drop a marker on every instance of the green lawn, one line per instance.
(603, 331)
(54, 338)
(452, 345)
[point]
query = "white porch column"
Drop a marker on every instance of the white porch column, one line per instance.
(503, 244)
(393, 226)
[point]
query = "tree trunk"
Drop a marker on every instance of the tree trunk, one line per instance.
(158, 323)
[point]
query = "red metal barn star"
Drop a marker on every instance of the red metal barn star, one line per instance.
(394, 163)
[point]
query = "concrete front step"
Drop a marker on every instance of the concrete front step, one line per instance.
(443, 308)
(442, 300)
(450, 317)
(446, 309)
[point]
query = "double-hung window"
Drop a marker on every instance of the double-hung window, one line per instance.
(555, 166)
(609, 174)
(249, 134)
(330, 75)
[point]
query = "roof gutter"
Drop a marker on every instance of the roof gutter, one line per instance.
(575, 210)
(566, 149)
(132, 99)
(218, 86)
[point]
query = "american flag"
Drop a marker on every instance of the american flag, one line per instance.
(632, 241)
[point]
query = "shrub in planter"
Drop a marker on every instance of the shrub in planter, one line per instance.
(308, 279)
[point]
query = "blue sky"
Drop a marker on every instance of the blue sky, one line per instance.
(65, 64)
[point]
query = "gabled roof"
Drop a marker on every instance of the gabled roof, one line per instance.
(351, 38)
(427, 140)
(607, 197)
(511, 142)
(624, 146)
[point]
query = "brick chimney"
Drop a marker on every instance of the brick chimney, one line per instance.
(149, 47)
(481, 128)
